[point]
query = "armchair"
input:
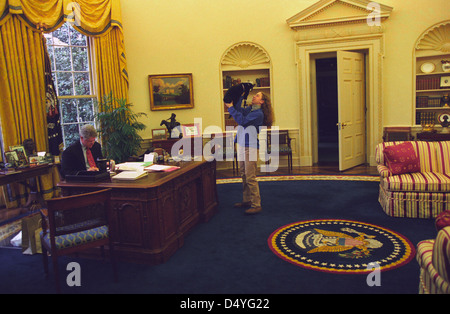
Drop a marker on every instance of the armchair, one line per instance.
(284, 145)
(225, 148)
(74, 223)
(433, 257)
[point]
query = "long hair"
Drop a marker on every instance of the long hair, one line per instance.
(266, 107)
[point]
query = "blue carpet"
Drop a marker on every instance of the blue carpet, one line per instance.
(230, 255)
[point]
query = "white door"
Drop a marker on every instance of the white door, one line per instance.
(351, 109)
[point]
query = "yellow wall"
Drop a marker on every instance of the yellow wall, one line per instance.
(190, 36)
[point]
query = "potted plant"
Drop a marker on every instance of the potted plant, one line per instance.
(118, 128)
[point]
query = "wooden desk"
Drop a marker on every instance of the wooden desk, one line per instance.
(433, 136)
(152, 215)
(186, 143)
(22, 175)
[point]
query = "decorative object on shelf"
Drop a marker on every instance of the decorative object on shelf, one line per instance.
(171, 91)
(172, 124)
(427, 67)
(444, 120)
(445, 81)
(445, 100)
(445, 65)
(428, 121)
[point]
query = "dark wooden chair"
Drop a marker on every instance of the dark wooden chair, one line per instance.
(391, 134)
(284, 144)
(75, 223)
(226, 148)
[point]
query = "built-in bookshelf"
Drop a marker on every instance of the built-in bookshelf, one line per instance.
(432, 84)
(245, 62)
(259, 77)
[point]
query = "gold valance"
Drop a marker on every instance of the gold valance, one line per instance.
(89, 17)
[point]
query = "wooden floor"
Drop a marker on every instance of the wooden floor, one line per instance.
(323, 168)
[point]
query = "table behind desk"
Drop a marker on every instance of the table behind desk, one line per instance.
(151, 216)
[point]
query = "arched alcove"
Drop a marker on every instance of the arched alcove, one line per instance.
(431, 48)
(245, 62)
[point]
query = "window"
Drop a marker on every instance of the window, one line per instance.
(72, 74)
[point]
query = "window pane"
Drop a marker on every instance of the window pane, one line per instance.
(69, 53)
(85, 109)
(50, 55)
(65, 83)
(80, 59)
(71, 134)
(62, 58)
(76, 38)
(68, 110)
(49, 39)
(61, 35)
(82, 83)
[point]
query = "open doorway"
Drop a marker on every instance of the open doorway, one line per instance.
(327, 111)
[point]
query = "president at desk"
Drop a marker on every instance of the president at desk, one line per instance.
(81, 155)
(152, 215)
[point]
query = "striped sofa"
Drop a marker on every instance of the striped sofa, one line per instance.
(433, 257)
(422, 194)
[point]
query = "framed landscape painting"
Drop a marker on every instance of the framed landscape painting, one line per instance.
(171, 91)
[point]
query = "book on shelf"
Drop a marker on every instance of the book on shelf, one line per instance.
(426, 83)
(428, 102)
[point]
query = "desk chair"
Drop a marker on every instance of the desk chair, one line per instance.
(76, 223)
(284, 145)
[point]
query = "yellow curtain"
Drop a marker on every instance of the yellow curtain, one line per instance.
(22, 90)
(111, 65)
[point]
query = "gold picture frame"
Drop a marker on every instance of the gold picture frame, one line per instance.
(171, 91)
(191, 130)
(159, 134)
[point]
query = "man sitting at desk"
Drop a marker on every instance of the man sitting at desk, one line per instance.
(82, 155)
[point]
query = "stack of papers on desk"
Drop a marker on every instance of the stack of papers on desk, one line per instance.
(164, 168)
(130, 175)
(132, 166)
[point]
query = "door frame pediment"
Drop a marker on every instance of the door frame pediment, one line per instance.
(333, 12)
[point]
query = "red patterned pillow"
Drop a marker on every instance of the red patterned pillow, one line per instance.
(401, 158)
(443, 220)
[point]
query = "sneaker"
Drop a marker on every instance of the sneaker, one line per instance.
(243, 205)
(253, 210)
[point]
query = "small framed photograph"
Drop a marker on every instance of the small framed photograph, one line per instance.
(159, 134)
(191, 130)
(445, 81)
(21, 154)
(12, 158)
(171, 91)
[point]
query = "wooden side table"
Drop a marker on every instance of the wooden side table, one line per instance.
(430, 136)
